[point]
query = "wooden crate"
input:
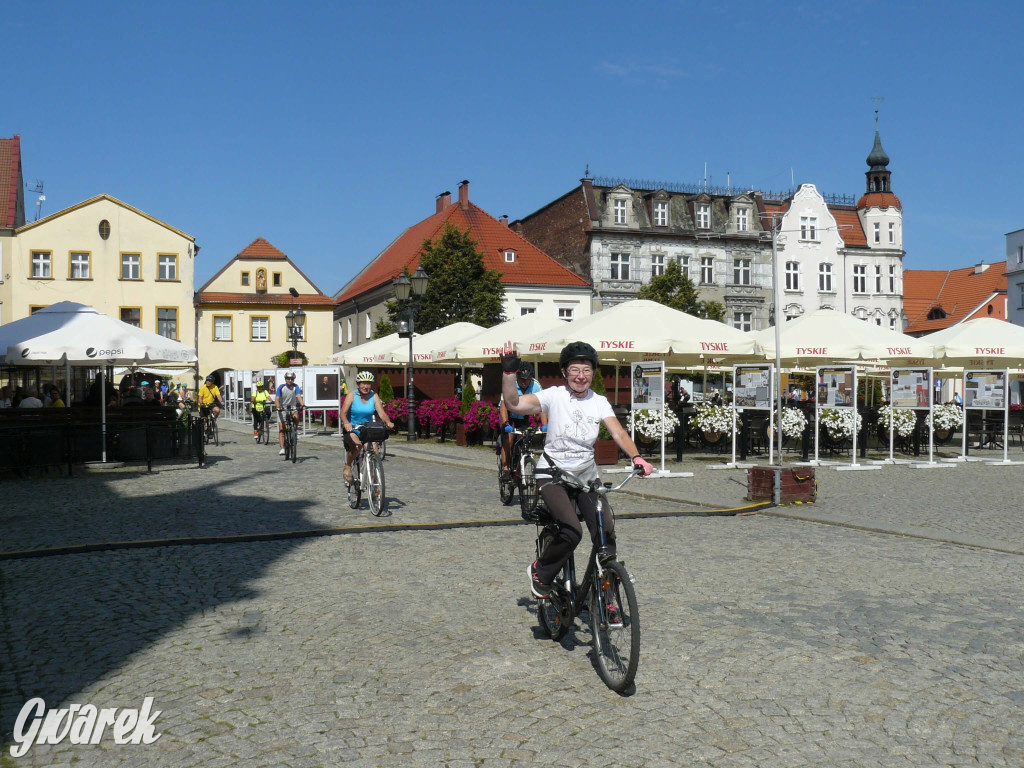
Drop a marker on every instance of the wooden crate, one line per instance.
(781, 485)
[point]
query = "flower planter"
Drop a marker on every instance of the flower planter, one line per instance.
(460, 434)
(606, 452)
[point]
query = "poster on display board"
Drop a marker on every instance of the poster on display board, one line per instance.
(836, 388)
(245, 386)
(911, 388)
(984, 389)
(227, 390)
(321, 386)
(752, 387)
(270, 380)
(648, 390)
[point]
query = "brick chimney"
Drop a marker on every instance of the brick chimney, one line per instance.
(443, 201)
(464, 194)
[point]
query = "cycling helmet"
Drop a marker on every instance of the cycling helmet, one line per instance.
(525, 371)
(210, 377)
(259, 382)
(577, 350)
(364, 376)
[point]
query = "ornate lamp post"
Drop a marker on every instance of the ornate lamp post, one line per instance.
(406, 288)
(296, 320)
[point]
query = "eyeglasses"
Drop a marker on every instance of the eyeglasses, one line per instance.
(575, 371)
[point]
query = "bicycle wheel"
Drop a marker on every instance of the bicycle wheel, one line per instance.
(293, 439)
(551, 610)
(375, 485)
(287, 442)
(353, 487)
(216, 432)
(505, 485)
(615, 624)
(528, 488)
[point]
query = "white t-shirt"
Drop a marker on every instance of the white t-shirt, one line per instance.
(573, 425)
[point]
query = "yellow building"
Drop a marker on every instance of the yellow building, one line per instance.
(241, 312)
(106, 254)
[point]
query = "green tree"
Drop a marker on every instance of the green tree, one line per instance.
(468, 395)
(386, 392)
(676, 290)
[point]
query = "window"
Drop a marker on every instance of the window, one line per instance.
(741, 271)
(684, 265)
(620, 211)
(878, 321)
(167, 322)
(131, 266)
(41, 261)
(620, 266)
(892, 323)
(222, 328)
(825, 278)
(936, 313)
(348, 323)
(792, 276)
(661, 213)
(741, 321)
(132, 316)
(78, 266)
(167, 267)
(260, 328)
(35, 308)
(657, 264)
(808, 227)
(565, 313)
(277, 279)
(707, 270)
(703, 216)
(527, 310)
(892, 278)
(742, 220)
(104, 229)
(892, 232)
(860, 278)
(1021, 288)
(368, 327)
(510, 256)
(878, 232)
(1020, 254)
(245, 278)
(878, 279)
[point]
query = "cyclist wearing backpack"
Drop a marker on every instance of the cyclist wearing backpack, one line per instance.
(359, 408)
(575, 414)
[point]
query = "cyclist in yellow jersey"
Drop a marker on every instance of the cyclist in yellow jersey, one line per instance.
(260, 408)
(209, 398)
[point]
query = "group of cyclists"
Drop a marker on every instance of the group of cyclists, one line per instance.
(287, 400)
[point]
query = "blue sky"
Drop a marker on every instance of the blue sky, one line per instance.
(328, 128)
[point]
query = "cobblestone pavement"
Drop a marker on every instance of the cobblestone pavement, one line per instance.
(858, 631)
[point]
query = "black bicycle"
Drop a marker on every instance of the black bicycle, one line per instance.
(522, 472)
(606, 591)
(262, 425)
(368, 469)
(211, 432)
(291, 434)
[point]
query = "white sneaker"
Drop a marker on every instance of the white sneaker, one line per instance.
(281, 452)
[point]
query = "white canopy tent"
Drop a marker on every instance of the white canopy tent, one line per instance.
(75, 334)
(980, 343)
(486, 346)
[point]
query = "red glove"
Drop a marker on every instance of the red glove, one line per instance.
(641, 463)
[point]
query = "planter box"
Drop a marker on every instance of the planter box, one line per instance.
(606, 452)
(783, 486)
(460, 434)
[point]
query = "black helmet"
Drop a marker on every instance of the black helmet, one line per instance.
(525, 370)
(577, 350)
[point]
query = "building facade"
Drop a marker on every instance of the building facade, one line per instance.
(241, 312)
(1015, 277)
(533, 281)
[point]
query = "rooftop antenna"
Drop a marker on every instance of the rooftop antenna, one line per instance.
(586, 172)
(878, 100)
(37, 189)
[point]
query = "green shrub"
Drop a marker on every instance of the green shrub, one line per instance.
(468, 395)
(385, 391)
(598, 383)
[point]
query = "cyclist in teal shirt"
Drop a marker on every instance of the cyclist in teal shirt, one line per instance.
(359, 408)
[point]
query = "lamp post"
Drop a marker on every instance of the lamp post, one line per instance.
(296, 320)
(406, 288)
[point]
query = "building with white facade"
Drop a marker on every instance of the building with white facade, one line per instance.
(1015, 277)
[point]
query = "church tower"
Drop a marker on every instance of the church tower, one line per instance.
(880, 211)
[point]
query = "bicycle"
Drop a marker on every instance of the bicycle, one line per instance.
(263, 426)
(369, 469)
(606, 592)
(522, 472)
(291, 435)
(211, 432)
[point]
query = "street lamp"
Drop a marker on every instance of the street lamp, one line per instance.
(406, 288)
(296, 320)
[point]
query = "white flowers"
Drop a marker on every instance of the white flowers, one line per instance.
(794, 422)
(713, 418)
(949, 416)
(649, 423)
(903, 420)
(840, 423)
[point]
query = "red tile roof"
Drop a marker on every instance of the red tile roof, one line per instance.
(531, 266)
(304, 299)
(261, 249)
(10, 180)
(962, 294)
(850, 228)
(879, 200)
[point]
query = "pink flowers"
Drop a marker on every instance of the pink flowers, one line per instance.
(481, 414)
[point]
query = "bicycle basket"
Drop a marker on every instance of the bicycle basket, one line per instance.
(373, 432)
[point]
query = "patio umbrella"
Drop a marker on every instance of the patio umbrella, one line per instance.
(981, 343)
(486, 346)
(76, 334)
(375, 352)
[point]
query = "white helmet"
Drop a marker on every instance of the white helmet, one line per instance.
(364, 376)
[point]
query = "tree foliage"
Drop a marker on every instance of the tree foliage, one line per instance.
(385, 390)
(675, 289)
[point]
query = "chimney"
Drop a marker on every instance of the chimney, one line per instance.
(981, 267)
(504, 219)
(443, 201)
(464, 194)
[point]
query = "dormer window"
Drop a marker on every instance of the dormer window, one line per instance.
(936, 313)
(620, 211)
(510, 256)
(742, 220)
(703, 216)
(661, 213)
